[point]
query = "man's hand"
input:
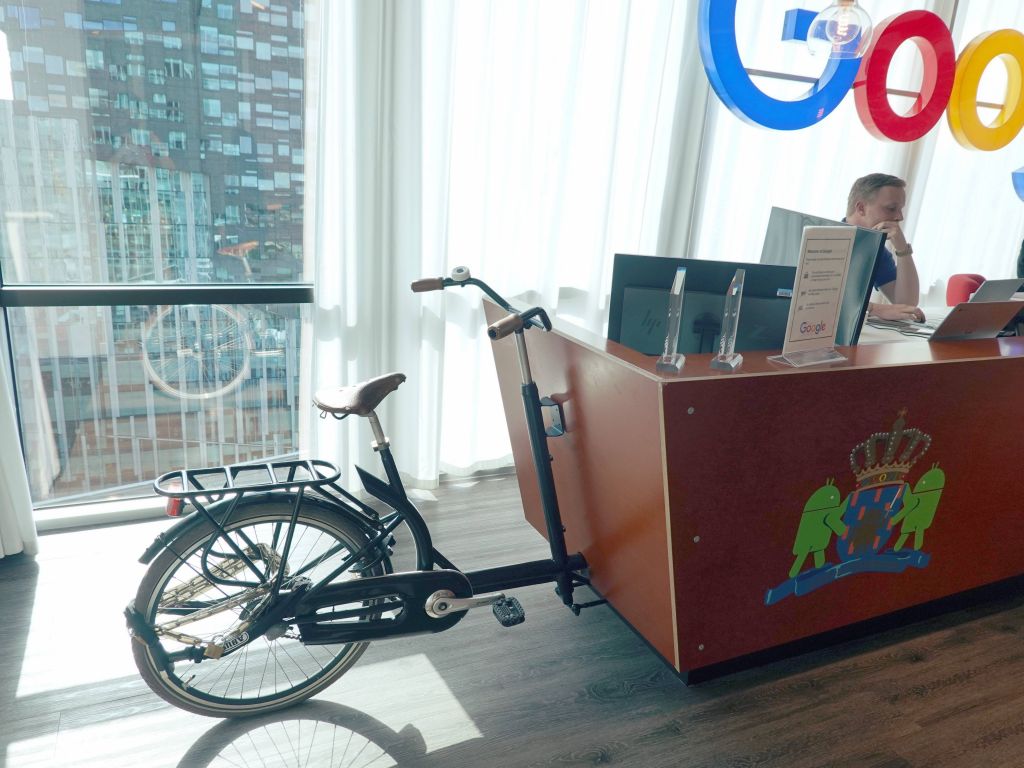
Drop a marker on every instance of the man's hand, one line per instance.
(896, 312)
(894, 234)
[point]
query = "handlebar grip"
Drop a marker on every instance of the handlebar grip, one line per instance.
(428, 284)
(505, 326)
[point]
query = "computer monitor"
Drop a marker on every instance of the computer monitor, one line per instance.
(639, 303)
(782, 246)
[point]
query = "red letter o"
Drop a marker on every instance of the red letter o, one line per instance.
(933, 39)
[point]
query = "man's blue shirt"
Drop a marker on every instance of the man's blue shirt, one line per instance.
(885, 267)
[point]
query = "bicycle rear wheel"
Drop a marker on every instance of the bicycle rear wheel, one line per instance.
(183, 605)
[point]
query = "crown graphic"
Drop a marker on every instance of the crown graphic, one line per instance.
(886, 457)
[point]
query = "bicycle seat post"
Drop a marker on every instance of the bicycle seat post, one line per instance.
(382, 446)
(380, 440)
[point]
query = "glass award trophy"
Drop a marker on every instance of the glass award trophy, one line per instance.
(727, 358)
(671, 361)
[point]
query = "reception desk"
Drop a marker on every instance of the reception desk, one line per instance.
(726, 516)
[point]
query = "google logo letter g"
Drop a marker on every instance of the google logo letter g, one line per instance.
(949, 85)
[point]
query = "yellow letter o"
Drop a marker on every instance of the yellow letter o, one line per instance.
(967, 127)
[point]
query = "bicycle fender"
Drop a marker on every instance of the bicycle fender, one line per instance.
(164, 538)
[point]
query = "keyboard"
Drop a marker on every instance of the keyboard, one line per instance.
(906, 326)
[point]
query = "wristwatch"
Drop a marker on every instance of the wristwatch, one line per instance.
(908, 252)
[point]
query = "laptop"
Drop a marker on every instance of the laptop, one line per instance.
(997, 290)
(974, 320)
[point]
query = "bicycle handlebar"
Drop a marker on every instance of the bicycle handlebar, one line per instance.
(514, 322)
(428, 284)
(505, 326)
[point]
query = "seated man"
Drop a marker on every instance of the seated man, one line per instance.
(876, 202)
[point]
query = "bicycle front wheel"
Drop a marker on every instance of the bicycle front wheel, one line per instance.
(183, 605)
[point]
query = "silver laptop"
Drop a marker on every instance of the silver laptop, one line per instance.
(997, 290)
(975, 320)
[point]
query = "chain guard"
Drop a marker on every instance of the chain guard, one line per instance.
(401, 596)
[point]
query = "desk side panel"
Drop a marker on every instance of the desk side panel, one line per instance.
(608, 473)
(744, 467)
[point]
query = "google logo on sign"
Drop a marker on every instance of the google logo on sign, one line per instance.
(816, 328)
(950, 84)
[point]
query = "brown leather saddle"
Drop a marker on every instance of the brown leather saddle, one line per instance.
(359, 399)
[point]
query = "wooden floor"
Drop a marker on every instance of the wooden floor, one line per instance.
(556, 691)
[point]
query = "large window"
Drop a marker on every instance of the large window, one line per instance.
(111, 396)
(151, 261)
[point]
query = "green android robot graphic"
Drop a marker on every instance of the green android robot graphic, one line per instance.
(919, 507)
(822, 516)
(867, 531)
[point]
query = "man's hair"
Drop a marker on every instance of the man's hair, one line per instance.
(866, 187)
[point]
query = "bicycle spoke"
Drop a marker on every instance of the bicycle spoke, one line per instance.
(230, 344)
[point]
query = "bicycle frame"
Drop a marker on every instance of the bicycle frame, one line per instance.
(559, 568)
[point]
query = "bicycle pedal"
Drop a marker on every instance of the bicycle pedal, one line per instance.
(509, 612)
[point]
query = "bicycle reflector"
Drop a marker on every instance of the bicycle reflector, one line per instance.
(175, 506)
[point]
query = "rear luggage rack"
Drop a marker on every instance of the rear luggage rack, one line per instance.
(215, 483)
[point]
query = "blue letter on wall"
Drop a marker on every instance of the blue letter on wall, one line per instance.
(737, 91)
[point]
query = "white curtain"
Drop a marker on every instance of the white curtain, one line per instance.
(375, 230)
(17, 531)
(677, 225)
(529, 141)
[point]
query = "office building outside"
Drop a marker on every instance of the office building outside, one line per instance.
(142, 143)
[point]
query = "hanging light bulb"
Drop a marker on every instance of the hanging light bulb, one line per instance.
(842, 31)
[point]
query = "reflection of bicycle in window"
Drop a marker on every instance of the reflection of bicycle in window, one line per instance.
(196, 351)
(202, 351)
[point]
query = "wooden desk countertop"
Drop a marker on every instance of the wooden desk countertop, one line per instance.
(879, 352)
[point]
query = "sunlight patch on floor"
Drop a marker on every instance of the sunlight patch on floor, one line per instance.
(90, 607)
(353, 724)
(428, 704)
(31, 753)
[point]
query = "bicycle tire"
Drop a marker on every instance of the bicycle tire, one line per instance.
(195, 356)
(266, 674)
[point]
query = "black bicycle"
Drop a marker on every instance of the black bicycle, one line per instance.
(274, 584)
